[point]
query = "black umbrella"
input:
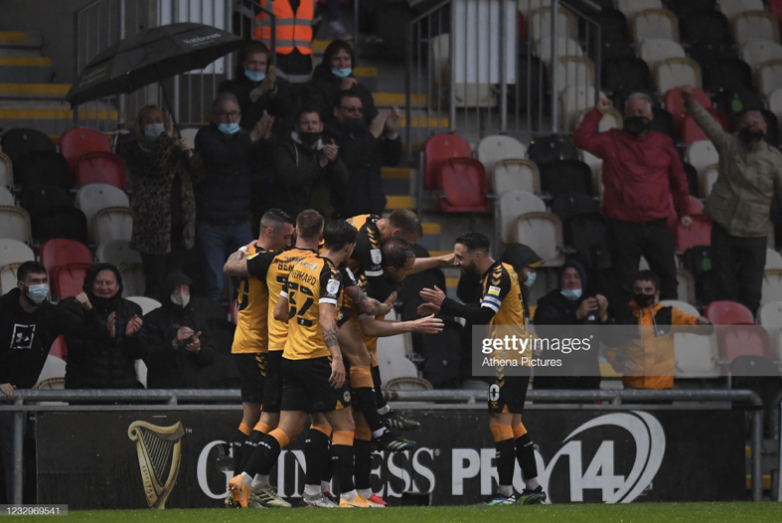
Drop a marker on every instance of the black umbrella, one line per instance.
(149, 57)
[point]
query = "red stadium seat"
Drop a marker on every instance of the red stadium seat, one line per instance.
(67, 262)
(743, 340)
(696, 206)
(439, 148)
(463, 182)
(699, 233)
(100, 167)
(673, 104)
(59, 349)
(77, 141)
(692, 132)
(69, 279)
(728, 313)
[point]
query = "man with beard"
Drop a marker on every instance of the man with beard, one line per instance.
(750, 175)
(641, 173)
(308, 172)
(364, 149)
(502, 311)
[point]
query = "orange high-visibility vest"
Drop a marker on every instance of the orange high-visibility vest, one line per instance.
(292, 30)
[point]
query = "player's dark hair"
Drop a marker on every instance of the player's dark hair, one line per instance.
(274, 218)
(648, 276)
(309, 224)
(307, 109)
(396, 252)
(347, 94)
(335, 47)
(254, 47)
(338, 234)
(223, 97)
(474, 241)
(406, 221)
(29, 267)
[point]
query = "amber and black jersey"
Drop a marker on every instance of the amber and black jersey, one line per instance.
(312, 281)
(276, 281)
(253, 301)
(502, 294)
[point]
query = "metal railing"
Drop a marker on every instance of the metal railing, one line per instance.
(106, 22)
(542, 399)
(471, 68)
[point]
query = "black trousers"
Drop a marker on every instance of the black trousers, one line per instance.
(738, 265)
(628, 241)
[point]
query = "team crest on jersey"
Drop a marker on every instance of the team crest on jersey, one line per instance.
(332, 287)
(346, 397)
(377, 256)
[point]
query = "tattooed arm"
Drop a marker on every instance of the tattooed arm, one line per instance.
(367, 305)
(328, 327)
(237, 263)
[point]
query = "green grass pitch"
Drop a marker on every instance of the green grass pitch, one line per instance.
(587, 513)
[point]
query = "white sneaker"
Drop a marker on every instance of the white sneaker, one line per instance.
(318, 501)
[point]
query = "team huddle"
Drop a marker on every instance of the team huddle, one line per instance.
(308, 322)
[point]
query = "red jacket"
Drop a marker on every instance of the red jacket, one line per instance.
(639, 174)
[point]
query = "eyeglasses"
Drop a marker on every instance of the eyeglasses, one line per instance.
(353, 110)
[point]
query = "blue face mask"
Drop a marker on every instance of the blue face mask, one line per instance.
(229, 128)
(255, 76)
(531, 276)
(572, 294)
(342, 73)
(38, 293)
(153, 131)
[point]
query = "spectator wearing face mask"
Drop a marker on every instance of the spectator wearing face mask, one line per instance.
(161, 169)
(334, 75)
(524, 260)
(641, 172)
(570, 305)
(750, 176)
(105, 357)
(309, 173)
(29, 324)
(178, 340)
(258, 89)
(236, 165)
(649, 362)
(364, 149)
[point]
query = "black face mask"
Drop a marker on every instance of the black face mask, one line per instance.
(309, 139)
(751, 135)
(638, 126)
(354, 124)
(643, 300)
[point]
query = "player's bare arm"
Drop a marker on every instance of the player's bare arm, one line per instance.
(382, 329)
(367, 305)
(281, 309)
(423, 264)
(328, 327)
(237, 264)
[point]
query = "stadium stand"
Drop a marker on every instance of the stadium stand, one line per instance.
(515, 175)
(464, 187)
(439, 148)
(6, 172)
(17, 142)
(42, 168)
(78, 141)
(99, 167)
(12, 254)
(728, 313)
(496, 148)
(96, 196)
(67, 262)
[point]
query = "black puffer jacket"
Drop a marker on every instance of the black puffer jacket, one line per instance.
(232, 165)
(167, 367)
(325, 88)
(96, 360)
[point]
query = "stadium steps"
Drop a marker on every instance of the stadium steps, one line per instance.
(31, 91)
(25, 69)
(20, 43)
(50, 117)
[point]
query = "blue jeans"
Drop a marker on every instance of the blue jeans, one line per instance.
(215, 243)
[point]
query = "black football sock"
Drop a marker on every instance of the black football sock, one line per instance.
(364, 402)
(380, 399)
(263, 457)
(363, 464)
(525, 453)
(317, 455)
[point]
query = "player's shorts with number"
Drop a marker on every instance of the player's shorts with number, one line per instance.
(306, 386)
(508, 393)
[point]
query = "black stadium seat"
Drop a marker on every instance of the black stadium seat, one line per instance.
(663, 123)
(546, 149)
(569, 204)
(709, 55)
(17, 142)
(561, 176)
(40, 199)
(613, 25)
(42, 168)
(729, 74)
(735, 102)
(68, 222)
(702, 26)
(682, 8)
(612, 49)
(692, 179)
(625, 74)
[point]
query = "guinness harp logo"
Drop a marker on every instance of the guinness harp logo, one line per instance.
(159, 451)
